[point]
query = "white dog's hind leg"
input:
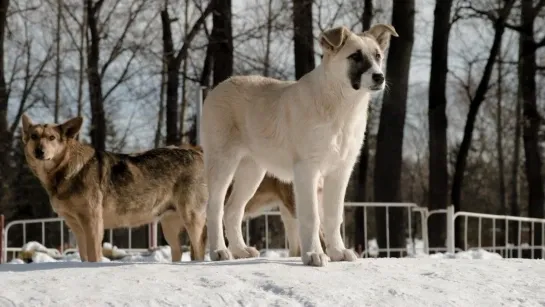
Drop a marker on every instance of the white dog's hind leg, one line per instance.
(246, 181)
(335, 185)
(305, 185)
(290, 227)
(220, 172)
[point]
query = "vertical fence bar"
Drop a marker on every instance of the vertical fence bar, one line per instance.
(24, 233)
(267, 231)
(542, 237)
(409, 211)
(480, 230)
(43, 233)
(532, 240)
(130, 238)
(519, 239)
(365, 243)
(62, 237)
(494, 234)
(247, 231)
(507, 249)
(2, 239)
(450, 229)
(112, 237)
(387, 233)
(465, 232)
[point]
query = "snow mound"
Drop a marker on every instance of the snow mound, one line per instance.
(277, 282)
(471, 254)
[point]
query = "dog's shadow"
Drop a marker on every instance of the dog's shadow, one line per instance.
(30, 267)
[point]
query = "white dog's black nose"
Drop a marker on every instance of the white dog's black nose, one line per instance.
(378, 78)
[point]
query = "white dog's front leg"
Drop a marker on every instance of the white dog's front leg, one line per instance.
(335, 185)
(305, 185)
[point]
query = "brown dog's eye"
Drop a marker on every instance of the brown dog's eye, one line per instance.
(52, 138)
(34, 136)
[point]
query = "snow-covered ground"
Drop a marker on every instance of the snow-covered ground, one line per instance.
(476, 278)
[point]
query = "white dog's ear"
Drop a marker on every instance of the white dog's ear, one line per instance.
(71, 127)
(333, 39)
(381, 33)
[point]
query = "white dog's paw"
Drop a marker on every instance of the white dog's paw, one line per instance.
(244, 252)
(315, 259)
(220, 255)
(341, 254)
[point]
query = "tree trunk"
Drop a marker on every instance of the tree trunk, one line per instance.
(514, 200)
(531, 118)
(303, 39)
(461, 159)
(222, 39)
(502, 189)
(184, 80)
(83, 35)
(98, 118)
(172, 81)
(58, 64)
(5, 135)
(363, 163)
(437, 104)
(392, 122)
(173, 62)
(161, 113)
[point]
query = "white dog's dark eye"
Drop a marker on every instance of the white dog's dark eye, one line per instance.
(356, 57)
(52, 138)
(378, 56)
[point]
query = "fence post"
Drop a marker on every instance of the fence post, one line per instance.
(450, 229)
(152, 235)
(2, 239)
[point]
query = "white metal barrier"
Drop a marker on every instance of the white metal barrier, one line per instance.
(410, 207)
(508, 247)
(505, 249)
(7, 248)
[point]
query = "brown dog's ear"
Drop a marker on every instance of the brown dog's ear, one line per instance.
(333, 39)
(27, 123)
(71, 127)
(381, 33)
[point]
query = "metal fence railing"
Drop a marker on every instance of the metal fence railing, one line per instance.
(416, 229)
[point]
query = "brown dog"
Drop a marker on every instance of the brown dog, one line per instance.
(94, 191)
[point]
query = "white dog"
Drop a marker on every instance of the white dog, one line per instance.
(297, 131)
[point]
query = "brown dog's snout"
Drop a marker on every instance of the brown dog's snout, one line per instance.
(39, 153)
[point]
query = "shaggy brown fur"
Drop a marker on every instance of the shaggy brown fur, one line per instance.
(94, 191)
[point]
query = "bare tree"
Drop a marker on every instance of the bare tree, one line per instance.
(173, 62)
(476, 101)
(5, 135)
(303, 39)
(58, 63)
(222, 40)
(363, 163)
(437, 103)
(392, 123)
(531, 117)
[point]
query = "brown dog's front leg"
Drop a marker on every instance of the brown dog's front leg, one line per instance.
(78, 231)
(94, 232)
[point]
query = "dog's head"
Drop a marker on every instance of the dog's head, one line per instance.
(45, 142)
(357, 59)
